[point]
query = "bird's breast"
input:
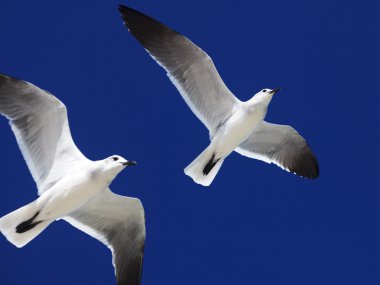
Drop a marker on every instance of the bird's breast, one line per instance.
(237, 129)
(69, 194)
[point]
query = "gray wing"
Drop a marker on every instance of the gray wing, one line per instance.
(283, 146)
(189, 68)
(118, 222)
(39, 122)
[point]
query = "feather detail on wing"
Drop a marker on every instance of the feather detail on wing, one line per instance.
(189, 68)
(39, 122)
(119, 223)
(283, 146)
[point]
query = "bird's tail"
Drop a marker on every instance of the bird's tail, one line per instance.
(23, 225)
(205, 167)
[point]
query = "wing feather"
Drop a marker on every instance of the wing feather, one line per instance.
(283, 146)
(119, 223)
(40, 125)
(189, 68)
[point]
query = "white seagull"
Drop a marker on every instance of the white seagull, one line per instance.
(70, 186)
(233, 125)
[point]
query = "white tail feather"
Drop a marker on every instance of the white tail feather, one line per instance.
(196, 169)
(9, 223)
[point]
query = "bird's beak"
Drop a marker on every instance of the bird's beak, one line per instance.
(275, 90)
(129, 163)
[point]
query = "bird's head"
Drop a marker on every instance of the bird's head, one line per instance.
(115, 164)
(263, 97)
(266, 94)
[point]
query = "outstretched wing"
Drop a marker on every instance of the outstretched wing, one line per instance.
(39, 122)
(119, 223)
(189, 68)
(283, 146)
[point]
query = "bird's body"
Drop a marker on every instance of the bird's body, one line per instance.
(238, 127)
(70, 186)
(244, 119)
(76, 187)
(73, 190)
(233, 125)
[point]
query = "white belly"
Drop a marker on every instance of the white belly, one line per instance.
(68, 195)
(237, 129)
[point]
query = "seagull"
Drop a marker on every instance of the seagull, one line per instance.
(70, 186)
(233, 125)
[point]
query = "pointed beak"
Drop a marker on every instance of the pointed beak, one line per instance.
(129, 163)
(275, 90)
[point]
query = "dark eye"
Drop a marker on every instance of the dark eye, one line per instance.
(264, 90)
(115, 158)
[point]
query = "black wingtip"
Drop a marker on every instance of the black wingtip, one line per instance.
(313, 168)
(123, 9)
(3, 79)
(126, 12)
(306, 166)
(6, 79)
(316, 169)
(141, 24)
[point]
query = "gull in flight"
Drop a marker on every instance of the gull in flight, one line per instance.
(70, 186)
(233, 125)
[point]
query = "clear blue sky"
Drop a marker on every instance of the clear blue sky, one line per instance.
(256, 224)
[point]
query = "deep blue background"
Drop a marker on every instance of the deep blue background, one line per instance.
(256, 224)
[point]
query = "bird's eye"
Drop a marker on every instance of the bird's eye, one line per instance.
(264, 90)
(115, 158)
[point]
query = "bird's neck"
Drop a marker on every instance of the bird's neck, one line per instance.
(257, 105)
(260, 99)
(102, 175)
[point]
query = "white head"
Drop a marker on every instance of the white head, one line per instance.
(114, 164)
(265, 95)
